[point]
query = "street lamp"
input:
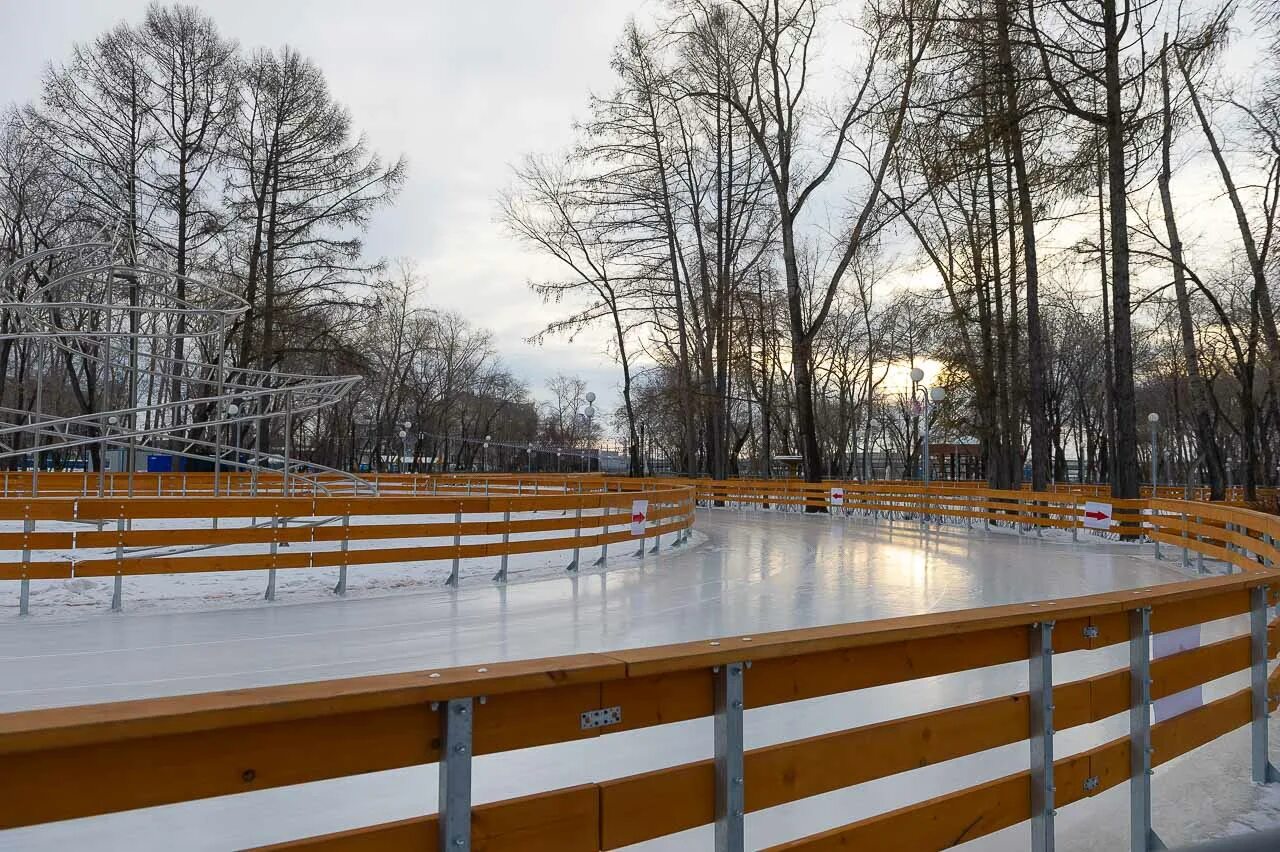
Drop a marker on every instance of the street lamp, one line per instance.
(484, 456)
(934, 394)
(530, 452)
(590, 413)
(404, 447)
(557, 461)
(1154, 420)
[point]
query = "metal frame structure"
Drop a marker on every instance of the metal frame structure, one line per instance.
(115, 323)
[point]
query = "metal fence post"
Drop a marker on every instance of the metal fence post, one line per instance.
(604, 543)
(455, 774)
(577, 532)
(1041, 730)
(1199, 551)
(1151, 516)
(730, 788)
(657, 539)
(501, 576)
(24, 594)
(457, 542)
(341, 588)
(275, 547)
(1141, 836)
(1263, 771)
(117, 588)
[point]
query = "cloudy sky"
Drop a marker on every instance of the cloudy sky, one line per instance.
(462, 89)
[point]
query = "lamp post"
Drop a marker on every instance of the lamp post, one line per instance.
(557, 461)
(590, 412)
(404, 438)
(1154, 420)
(529, 450)
(930, 395)
(484, 454)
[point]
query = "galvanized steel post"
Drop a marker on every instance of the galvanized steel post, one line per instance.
(1041, 730)
(24, 594)
(1141, 836)
(1263, 771)
(275, 547)
(730, 778)
(117, 588)
(341, 588)
(501, 576)
(457, 543)
(455, 774)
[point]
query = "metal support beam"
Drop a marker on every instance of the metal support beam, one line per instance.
(1142, 838)
(457, 543)
(455, 774)
(501, 576)
(341, 588)
(275, 548)
(730, 789)
(1263, 771)
(24, 594)
(117, 588)
(1041, 730)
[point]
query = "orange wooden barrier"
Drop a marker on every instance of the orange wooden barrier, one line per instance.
(118, 536)
(80, 761)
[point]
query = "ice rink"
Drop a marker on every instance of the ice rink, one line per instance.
(746, 572)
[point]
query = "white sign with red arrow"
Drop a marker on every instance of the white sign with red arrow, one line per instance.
(639, 513)
(837, 496)
(1097, 516)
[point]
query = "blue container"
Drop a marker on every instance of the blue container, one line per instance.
(159, 464)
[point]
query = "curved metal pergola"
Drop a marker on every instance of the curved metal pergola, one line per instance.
(116, 324)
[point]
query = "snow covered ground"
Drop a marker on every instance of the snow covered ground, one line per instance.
(747, 572)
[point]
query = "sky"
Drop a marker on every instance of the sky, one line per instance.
(462, 89)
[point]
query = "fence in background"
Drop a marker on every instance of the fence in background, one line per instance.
(66, 537)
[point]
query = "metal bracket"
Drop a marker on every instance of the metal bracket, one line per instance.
(600, 718)
(1091, 783)
(1091, 632)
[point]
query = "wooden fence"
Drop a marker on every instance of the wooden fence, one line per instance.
(66, 537)
(83, 761)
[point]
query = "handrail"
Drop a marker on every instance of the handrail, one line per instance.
(73, 762)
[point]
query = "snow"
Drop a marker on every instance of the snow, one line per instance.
(747, 572)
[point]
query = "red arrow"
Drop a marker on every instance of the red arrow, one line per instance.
(1097, 516)
(637, 518)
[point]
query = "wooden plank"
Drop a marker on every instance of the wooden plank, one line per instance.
(105, 777)
(35, 571)
(774, 681)
(665, 801)
(558, 821)
(61, 727)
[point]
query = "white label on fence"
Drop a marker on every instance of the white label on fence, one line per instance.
(1097, 516)
(1165, 645)
(837, 496)
(639, 512)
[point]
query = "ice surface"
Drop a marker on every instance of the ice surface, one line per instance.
(751, 572)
